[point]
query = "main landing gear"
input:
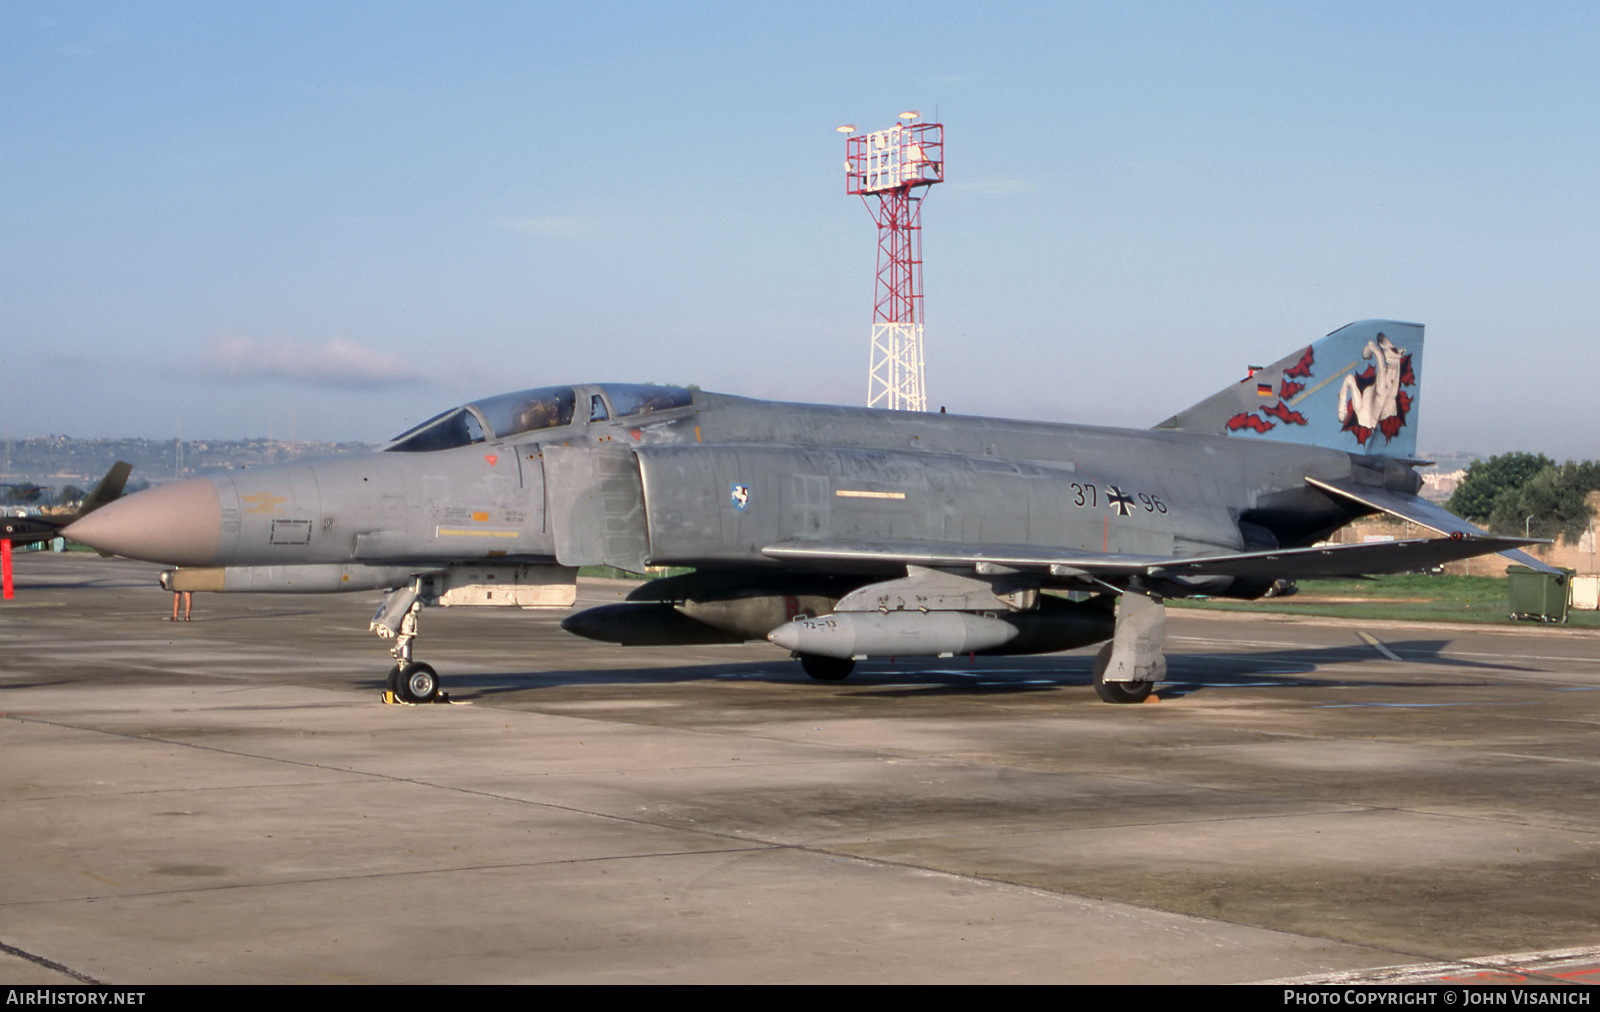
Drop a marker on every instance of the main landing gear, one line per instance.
(409, 681)
(1117, 692)
(1128, 668)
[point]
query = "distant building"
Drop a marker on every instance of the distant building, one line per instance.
(1438, 486)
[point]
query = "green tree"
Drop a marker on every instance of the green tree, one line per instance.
(1479, 493)
(1553, 503)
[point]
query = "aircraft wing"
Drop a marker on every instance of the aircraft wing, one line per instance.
(1064, 561)
(1420, 512)
(1283, 563)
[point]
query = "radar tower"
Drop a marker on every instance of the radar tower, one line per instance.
(890, 171)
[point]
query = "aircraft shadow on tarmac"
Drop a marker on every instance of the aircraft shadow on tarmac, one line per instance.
(1186, 673)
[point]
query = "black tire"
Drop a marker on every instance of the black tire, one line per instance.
(1117, 692)
(418, 683)
(827, 669)
(392, 681)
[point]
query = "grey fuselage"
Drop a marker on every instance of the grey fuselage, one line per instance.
(712, 484)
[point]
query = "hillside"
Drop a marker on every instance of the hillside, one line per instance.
(64, 460)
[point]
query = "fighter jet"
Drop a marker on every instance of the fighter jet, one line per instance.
(25, 492)
(836, 533)
(25, 530)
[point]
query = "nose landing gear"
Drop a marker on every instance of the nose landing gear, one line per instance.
(408, 681)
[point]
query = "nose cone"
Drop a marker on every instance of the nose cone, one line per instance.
(179, 524)
(786, 636)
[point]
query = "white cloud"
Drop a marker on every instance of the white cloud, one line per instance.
(338, 363)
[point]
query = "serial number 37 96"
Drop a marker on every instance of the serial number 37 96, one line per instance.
(1123, 502)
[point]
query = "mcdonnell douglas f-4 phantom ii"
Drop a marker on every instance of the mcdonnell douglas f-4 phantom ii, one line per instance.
(837, 533)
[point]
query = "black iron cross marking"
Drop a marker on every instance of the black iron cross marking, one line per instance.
(1121, 500)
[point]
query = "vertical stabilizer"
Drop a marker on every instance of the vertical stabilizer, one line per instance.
(1354, 390)
(109, 489)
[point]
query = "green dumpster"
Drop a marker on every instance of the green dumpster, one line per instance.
(1537, 596)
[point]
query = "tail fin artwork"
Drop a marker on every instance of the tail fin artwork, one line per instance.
(1354, 390)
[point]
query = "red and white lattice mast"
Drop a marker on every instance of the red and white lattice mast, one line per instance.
(890, 170)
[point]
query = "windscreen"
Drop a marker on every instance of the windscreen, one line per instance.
(456, 427)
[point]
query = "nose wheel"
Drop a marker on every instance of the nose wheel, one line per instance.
(414, 683)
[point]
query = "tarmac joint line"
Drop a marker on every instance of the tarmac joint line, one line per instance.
(48, 964)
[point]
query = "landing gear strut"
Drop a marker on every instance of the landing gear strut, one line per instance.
(409, 680)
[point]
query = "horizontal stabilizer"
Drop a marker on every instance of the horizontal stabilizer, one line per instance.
(1285, 563)
(1347, 560)
(1421, 512)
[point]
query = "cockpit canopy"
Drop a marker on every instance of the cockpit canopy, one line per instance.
(526, 410)
(508, 415)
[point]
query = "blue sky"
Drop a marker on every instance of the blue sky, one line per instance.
(220, 216)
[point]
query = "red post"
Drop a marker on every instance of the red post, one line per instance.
(5, 567)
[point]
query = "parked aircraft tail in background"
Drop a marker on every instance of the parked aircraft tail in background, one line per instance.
(108, 490)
